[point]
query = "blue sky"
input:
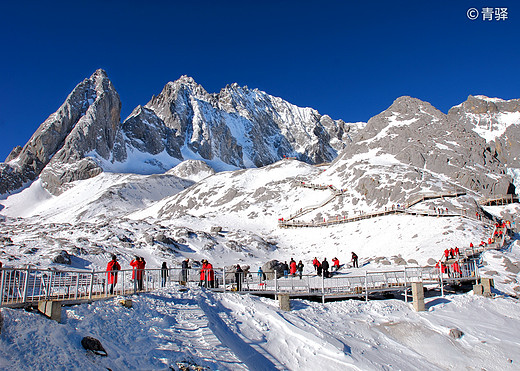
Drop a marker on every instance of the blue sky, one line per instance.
(347, 59)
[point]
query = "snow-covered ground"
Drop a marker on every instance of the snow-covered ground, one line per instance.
(234, 332)
(126, 214)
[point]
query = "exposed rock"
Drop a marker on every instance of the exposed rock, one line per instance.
(456, 333)
(272, 267)
(216, 229)
(166, 240)
(431, 261)
(62, 258)
(93, 345)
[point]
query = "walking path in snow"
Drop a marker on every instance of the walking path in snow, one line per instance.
(290, 222)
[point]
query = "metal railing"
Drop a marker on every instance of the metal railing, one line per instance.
(27, 286)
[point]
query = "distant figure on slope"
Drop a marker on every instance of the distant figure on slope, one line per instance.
(112, 269)
(164, 274)
(325, 268)
(354, 260)
(300, 268)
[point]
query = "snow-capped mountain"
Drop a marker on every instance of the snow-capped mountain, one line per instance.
(413, 147)
(236, 128)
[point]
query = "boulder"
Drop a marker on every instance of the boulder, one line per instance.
(271, 267)
(93, 345)
(62, 258)
(455, 333)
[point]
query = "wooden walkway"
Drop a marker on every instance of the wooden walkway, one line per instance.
(499, 200)
(290, 222)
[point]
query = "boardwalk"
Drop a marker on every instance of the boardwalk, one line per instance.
(291, 221)
(499, 200)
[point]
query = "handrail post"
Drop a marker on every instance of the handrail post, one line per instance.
(91, 284)
(77, 286)
(2, 278)
(366, 286)
(440, 280)
(323, 287)
(26, 284)
(405, 287)
(275, 284)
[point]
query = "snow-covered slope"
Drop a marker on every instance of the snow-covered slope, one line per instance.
(171, 328)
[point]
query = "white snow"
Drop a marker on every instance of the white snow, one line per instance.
(240, 332)
(231, 331)
(489, 131)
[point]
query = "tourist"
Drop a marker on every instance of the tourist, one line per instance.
(202, 278)
(300, 268)
(315, 264)
(112, 269)
(285, 268)
(292, 267)
(354, 260)
(335, 265)
(239, 276)
(164, 274)
(184, 270)
(325, 268)
(210, 275)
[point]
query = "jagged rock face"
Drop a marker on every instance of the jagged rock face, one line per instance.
(417, 135)
(495, 120)
(241, 127)
(87, 121)
(146, 132)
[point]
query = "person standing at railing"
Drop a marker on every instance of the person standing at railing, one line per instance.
(164, 274)
(335, 265)
(315, 264)
(184, 270)
(325, 268)
(456, 269)
(210, 275)
(300, 268)
(140, 272)
(112, 269)
(354, 260)
(138, 265)
(292, 267)
(239, 276)
(202, 277)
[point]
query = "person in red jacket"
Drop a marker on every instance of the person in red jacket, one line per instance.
(202, 278)
(335, 265)
(315, 264)
(456, 269)
(292, 267)
(457, 251)
(210, 275)
(112, 269)
(446, 254)
(138, 264)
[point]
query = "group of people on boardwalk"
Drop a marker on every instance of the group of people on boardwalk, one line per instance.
(292, 268)
(207, 275)
(138, 265)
